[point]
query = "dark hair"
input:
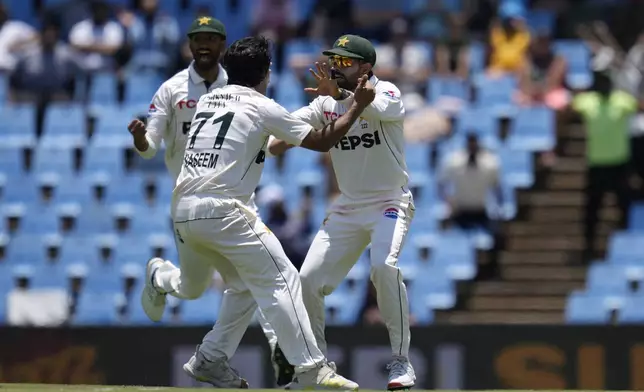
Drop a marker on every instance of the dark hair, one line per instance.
(247, 61)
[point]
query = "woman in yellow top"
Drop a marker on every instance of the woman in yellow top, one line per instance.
(509, 41)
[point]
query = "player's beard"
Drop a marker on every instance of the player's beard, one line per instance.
(205, 62)
(342, 80)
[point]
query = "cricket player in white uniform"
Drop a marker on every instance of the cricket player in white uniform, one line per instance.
(170, 116)
(375, 205)
(221, 168)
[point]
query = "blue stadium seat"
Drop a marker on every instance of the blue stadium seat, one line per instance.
(151, 219)
(341, 309)
(104, 160)
(111, 127)
(609, 282)
(141, 87)
(636, 218)
(577, 56)
(64, 126)
(102, 90)
(22, 194)
(542, 21)
(75, 189)
(97, 308)
(586, 309)
(3, 89)
(126, 189)
(104, 277)
(42, 220)
(625, 245)
(440, 87)
(517, 167)
(57, 159)
(432, 289)
(48, 275)
(201, 311)
(454, 252)
(95, 219)
(494, 94)
(18, 126)
(11, 163)
(417, 156)
(477, 58)
(290, 93)
(533, 129)
(132, 250)
(301, 47)
(78, 249)
(633, 310)
(478, 121)
(27, 249)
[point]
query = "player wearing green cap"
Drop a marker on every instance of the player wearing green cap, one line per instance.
(375, 206)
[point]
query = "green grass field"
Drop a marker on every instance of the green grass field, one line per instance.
(116, 388)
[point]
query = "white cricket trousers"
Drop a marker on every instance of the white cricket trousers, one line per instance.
(341, 240)
(224, 234)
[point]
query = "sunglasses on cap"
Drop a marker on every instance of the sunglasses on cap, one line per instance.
(340, 61)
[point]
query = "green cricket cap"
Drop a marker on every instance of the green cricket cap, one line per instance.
(354, 47)
(207, 24)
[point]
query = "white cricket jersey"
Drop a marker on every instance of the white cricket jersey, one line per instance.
(226, 143)
(369, 162)
(171, 112)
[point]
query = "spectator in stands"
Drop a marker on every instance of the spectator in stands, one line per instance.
(429, 20)
(634, 68)
(98, 39)
(14, 35)
(509, 41)
(541, 80)
(293, 231)
(472, 173)
(277, 21)
(606, 113)
(154, 36)
(452, 56)
(45, 73)
(405, 63)
(330, 19)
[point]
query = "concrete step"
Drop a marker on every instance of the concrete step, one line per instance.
(537, 257)
(568, 214)
(574, 147)
(554, 243)
(570, 165)
(546, 229)
(517, 303)
(559, 199)
(566, 181)
(544, 274)
(505, 288)
(497, 317)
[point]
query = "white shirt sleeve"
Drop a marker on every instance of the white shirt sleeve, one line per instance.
(387, 106)
(113, 34)
(283, 125)
(81, 34)
(158, 120)
(311, 114)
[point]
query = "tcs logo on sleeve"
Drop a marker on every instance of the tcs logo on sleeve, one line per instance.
(187, 104)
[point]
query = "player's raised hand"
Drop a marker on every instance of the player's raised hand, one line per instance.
(326, 84)
(137, 129)
(364, 93)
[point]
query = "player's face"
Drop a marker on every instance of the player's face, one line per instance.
(346, 71)
(206, 48)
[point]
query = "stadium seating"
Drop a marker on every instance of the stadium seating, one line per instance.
(116, 227)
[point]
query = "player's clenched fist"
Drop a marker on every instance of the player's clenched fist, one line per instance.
(364, 93)
(137, 129)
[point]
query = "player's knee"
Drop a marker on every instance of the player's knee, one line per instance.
(193, 291)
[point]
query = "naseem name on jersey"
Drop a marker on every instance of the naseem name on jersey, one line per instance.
(201, 159)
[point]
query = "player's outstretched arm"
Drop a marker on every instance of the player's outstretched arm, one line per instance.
(277, 147)
(324, 139)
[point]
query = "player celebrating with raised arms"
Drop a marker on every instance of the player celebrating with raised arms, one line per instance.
(170, 116)
(375, 206)
(221, 168)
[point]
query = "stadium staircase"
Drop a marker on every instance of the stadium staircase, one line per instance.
(543, 257)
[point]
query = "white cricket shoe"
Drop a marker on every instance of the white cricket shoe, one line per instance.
(153, 300)
(401, 374)
(321, 378)
(218, 373)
